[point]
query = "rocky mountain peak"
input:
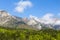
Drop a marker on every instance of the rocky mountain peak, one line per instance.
(3, 13)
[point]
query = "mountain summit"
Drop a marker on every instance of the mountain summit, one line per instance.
(4, 17)
(53, 23)
(9, 21)
(3, 13)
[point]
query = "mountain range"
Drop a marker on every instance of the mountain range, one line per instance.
(9, 21)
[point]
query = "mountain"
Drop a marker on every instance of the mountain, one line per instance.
(41, 23)
(9, 21)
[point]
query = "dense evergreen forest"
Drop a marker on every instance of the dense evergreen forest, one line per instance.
(25, 34)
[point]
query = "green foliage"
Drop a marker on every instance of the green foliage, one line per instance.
(25, 34)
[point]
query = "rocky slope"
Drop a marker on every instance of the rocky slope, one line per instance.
(41, 23)
(9, 21)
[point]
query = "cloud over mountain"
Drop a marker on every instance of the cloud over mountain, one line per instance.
(48, 18)
(22, 5)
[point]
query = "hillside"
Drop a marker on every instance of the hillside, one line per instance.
(25, 34)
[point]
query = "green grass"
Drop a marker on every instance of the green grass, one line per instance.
(27, 34)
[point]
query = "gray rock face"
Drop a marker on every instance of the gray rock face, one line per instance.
(4, 17)
(7, 20)
(43, 23)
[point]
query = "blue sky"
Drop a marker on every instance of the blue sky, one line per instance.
(31, 7)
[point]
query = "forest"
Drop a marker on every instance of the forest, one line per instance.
(26, 34)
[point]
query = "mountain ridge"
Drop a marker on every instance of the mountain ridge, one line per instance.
(33, 22)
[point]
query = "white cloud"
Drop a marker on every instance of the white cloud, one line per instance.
(57, 22)
(47, 19)
(22, 5)
(48, 16)
(50, 20)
